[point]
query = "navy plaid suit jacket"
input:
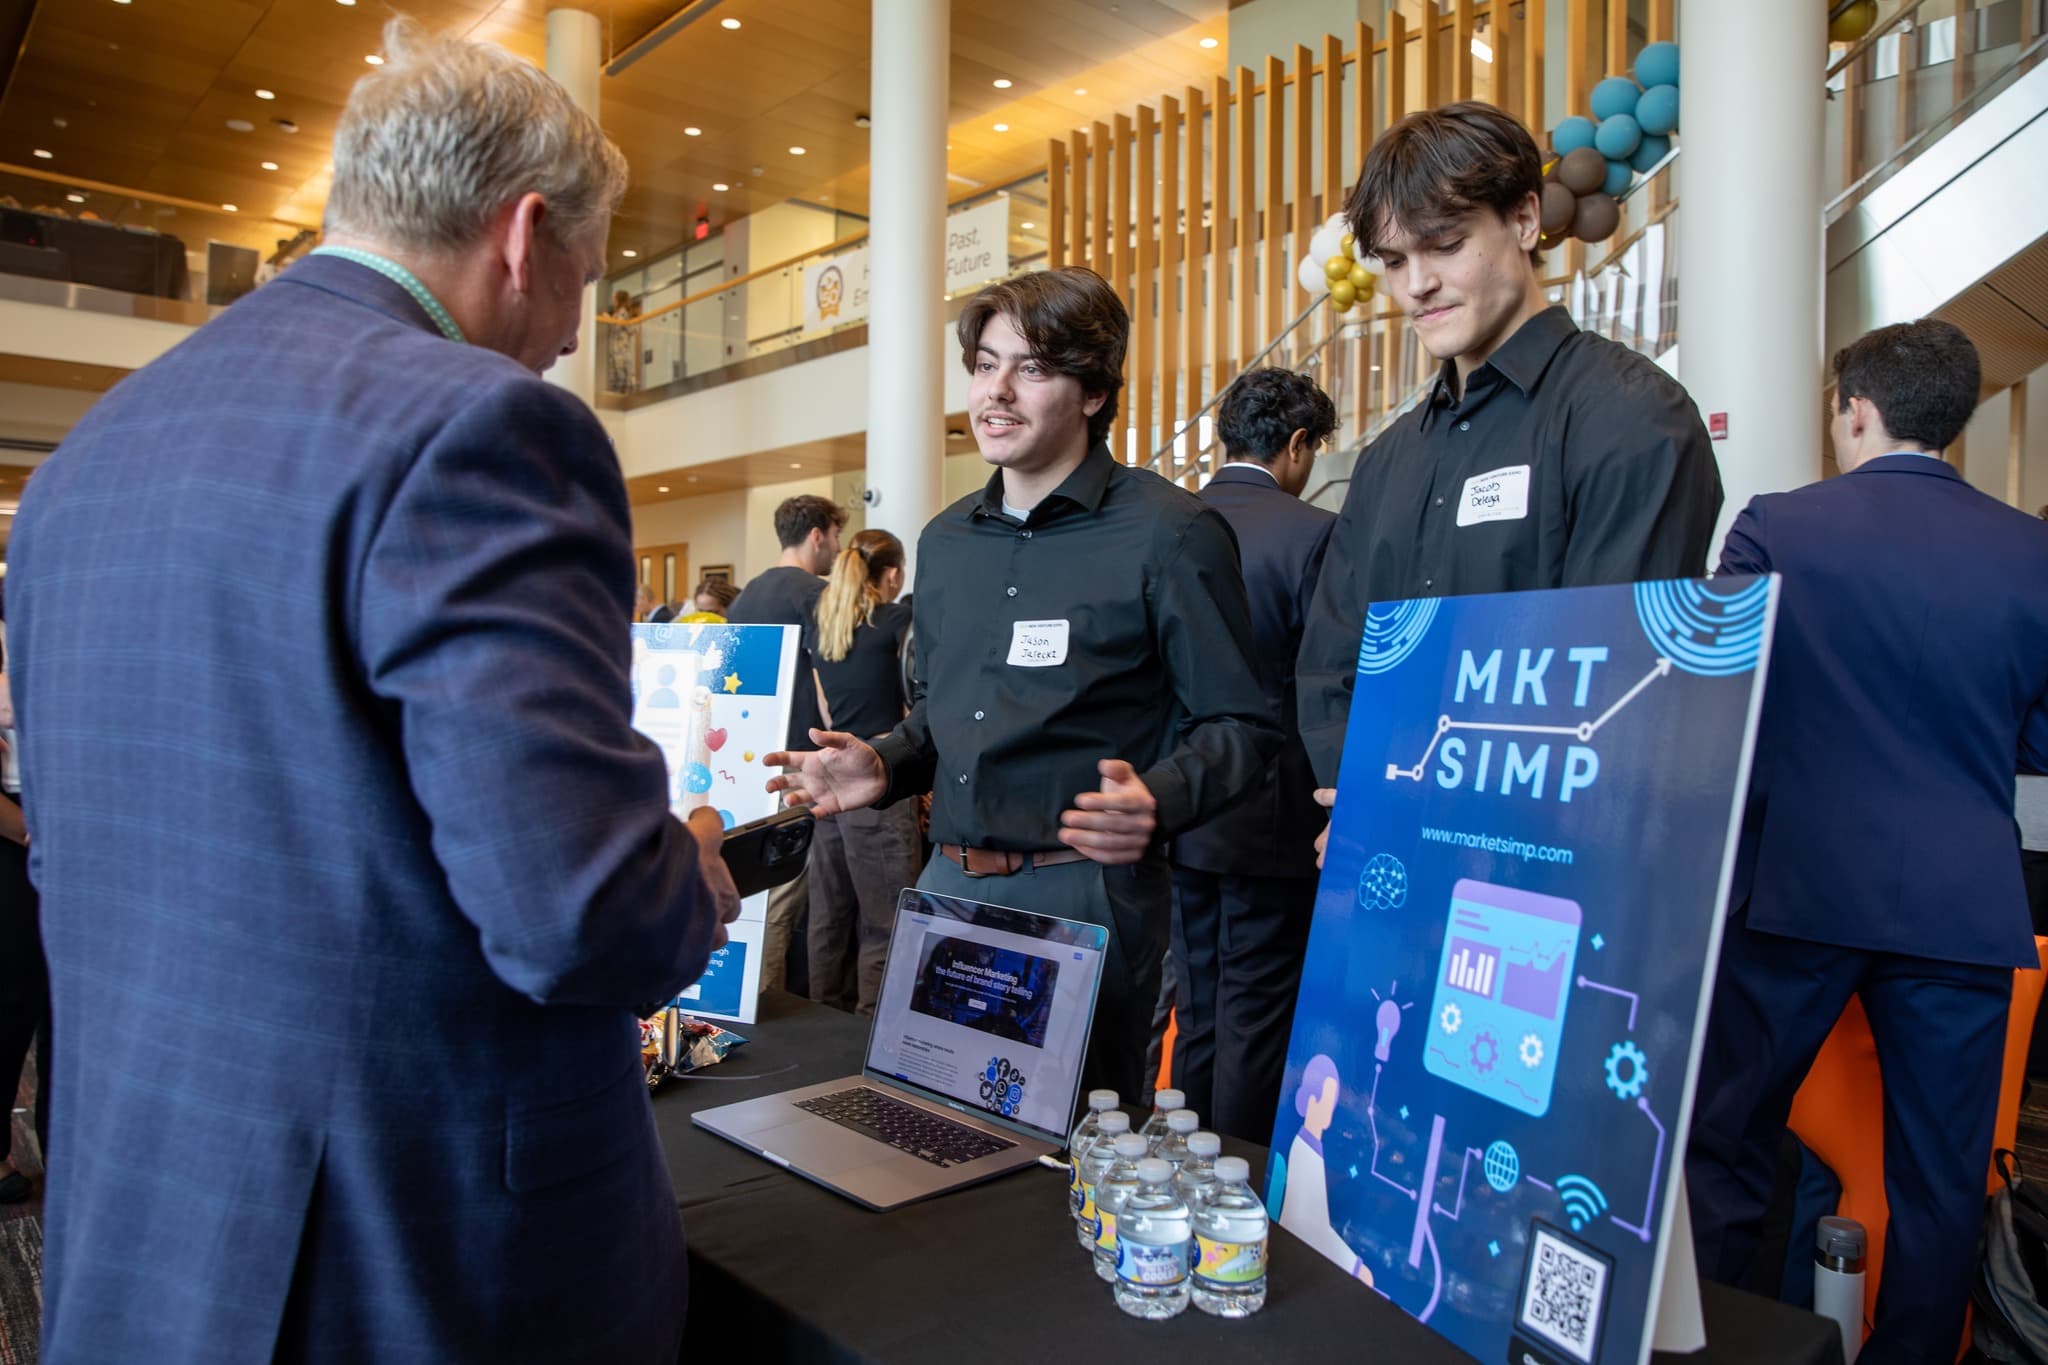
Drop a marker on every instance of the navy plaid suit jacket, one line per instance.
(352, 866)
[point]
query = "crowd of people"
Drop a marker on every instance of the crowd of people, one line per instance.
(348, 811)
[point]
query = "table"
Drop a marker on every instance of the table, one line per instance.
(781, 1269)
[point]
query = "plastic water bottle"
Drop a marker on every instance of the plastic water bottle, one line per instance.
(1230, 1237)
(1086, 1131)
(1152, 1245)
(1095, 1163)
(1173, 1148)
(1838, 1249)
(1164, 1102)
(1197, 1177)
(1112, 1191)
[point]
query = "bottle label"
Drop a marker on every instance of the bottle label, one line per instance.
(1231, 1263)
(1074, 1186)
(1155, 1267)
(1084, 1202)
(1105, 1230)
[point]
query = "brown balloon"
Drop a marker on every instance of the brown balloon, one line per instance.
(1599, 216)
(1583, 171)
(1560, 207)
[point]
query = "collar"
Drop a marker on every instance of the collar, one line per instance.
(1521, 359)
(404, 279)
(1253, 474)
(1907, 462)
(1314, 1143)
(1084, 488)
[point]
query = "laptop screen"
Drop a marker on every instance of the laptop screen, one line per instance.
(988, 1008)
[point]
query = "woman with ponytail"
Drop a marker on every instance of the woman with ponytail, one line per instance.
(860, 859)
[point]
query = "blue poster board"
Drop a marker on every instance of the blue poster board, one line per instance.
(1491, 1071)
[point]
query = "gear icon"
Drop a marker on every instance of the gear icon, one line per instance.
(1485, 1052)
(1452, 1018)
(1532, 1051)
(1627, 1054)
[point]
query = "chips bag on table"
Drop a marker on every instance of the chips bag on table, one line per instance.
(672, 1043)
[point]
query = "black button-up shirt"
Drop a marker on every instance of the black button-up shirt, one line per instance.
(1110, 623)
(1569, 460)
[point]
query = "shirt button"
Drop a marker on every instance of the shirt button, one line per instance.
(979, 714)
(963, 779)
(1464, 426)
(1439, 502)
(1427, 583)
(1025, 534)
(1013, 592)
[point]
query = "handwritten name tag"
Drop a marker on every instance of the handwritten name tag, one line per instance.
(1499, 495)
(1038, 644)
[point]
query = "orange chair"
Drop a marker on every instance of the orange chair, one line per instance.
(1839, 1113)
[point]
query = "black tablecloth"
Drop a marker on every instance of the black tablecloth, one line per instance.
(781, 1269)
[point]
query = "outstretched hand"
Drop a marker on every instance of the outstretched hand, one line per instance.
(1326, 797)
(843, 773)
(1115, 825)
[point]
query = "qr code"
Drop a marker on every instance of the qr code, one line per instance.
(1564, 1292)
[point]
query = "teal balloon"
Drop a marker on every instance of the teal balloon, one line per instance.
(1649, 152)
(1572, 134)
(1619, 173)
(1657, 110)
(1618, 137)
(1615, 95)
(1657, 64)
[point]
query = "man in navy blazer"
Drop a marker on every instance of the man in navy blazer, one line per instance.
(352, 866)
(1879, 856)
(1244, 883)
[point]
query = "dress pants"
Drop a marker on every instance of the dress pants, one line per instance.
(1133, 903)
(861, 860)
(1238, 946)
(1940, 1034)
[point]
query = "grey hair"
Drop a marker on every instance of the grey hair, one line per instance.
(434, 143)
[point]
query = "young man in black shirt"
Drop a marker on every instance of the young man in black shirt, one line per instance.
(1084, 686)
(1542, 457)
(807, 527)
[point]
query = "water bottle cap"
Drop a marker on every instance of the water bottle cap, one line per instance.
(1840, 1237)
(1155, 1170)
(1131, 1145)
(1182, 1121)
(1168, 1100)
(1114, 1122)
(1099, 1100)
(1204, 1144)
(1233, 1168)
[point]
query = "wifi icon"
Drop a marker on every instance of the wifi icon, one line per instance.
(1583, 1201)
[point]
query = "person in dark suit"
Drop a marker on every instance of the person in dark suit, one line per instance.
(1878, 854)
(1244, 883)
(353, 868)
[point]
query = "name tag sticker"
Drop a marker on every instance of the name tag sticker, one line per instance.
(1038, 644)
(1500, 495)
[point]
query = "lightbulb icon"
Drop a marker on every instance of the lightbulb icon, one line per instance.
(1389, 1020)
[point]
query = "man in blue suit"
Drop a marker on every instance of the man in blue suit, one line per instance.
(1879, 855)
(1244, 884)
(352, 866)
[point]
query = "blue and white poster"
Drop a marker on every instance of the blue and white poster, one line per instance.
(716, 699)
(1490, 1076)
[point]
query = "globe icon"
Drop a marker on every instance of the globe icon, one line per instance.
(1384, 884)
(1503, 1167)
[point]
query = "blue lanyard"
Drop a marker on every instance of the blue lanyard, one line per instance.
(406, 280)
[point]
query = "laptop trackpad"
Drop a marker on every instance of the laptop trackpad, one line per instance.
(816, 1145)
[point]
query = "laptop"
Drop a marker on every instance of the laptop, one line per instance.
(973, 1061)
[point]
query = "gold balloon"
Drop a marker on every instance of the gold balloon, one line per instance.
(1361, 279)
(1338, 268)
(1339, 307)
(1366, 290)
(1343, 293)
(1853, 22)
(1349, 244)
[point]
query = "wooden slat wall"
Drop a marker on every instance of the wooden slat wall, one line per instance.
(1274, 271)
(1056, 203)
(1507, 60)
(1534, 24)
(1364, 113)
(1195, 253)
(2016, 444)
(1428, 33)
(1098, 203)
(1121, 147)
(1397, 67)
(1617, 39)
(1077, 198)
(1169, 268)
(1302, 116)
(1461, 52)
(1141, 365)
(1247, 223)
(1220, 228)
(1333, 125)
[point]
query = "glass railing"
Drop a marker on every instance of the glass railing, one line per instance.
(670, 338)
(80, 244)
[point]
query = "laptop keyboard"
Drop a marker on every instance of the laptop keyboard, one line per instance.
(905, 1127)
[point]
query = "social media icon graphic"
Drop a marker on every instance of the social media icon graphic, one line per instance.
(1505, 973)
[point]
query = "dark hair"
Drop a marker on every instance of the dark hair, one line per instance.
(1437, 165)
(1922, 377)
(1071, 319)
(719, 590)
(1262, 410)
(797, 517)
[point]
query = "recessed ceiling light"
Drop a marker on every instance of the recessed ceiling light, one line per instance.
(266, 94)
(60, 122)
(796, 151)
(374, 60)
(45, 153)
(720, 186)
(661, 488)
(76, 198)
(241, 125)
(693, 132)
(1002, 127)
(690, 479)
(270, 165)
(796, 464)
(1027, 226)
(1208, 42)
(1080, 89)
(728, 23)
(344, 2)
(1002, 83)
(629, 253)
(229, 208)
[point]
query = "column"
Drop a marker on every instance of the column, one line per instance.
(907, 266)
(576, 61)
(1751, 239)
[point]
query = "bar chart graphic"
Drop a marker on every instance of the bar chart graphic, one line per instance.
(1498, 1016)
(1470, 967)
